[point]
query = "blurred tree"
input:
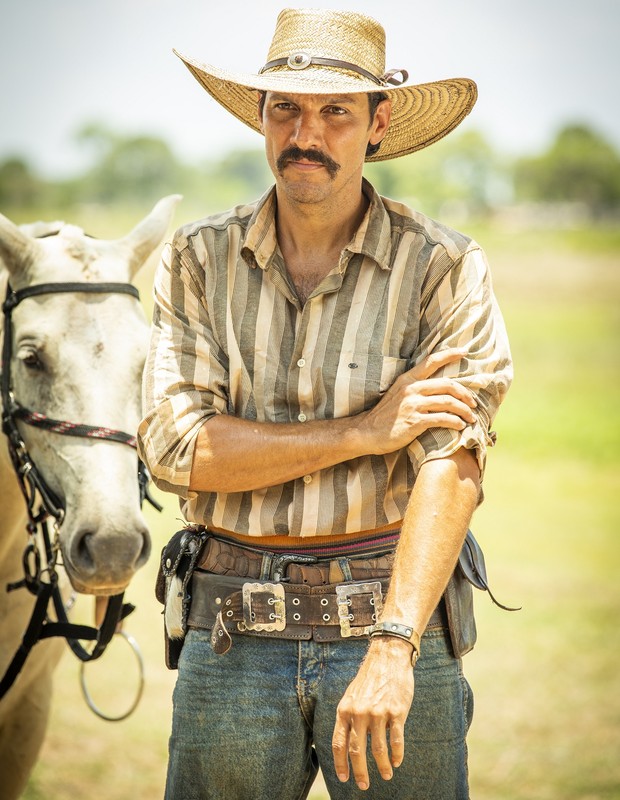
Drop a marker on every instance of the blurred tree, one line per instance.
(131, 168)
(460, 176)
(19, 186)
(239, 176)
(580, 166)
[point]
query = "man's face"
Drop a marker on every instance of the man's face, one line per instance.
(316, 144)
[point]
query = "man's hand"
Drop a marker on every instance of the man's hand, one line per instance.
(416, 402)
(377, 700)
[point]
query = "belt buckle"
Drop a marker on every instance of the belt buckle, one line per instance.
(277, 617)
(344, 592)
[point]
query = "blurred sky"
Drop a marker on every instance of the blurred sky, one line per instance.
(538, 63)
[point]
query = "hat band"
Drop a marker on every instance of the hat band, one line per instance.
(303, 60)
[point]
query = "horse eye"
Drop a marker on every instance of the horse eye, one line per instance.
(32, 361)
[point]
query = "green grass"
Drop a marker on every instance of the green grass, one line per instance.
(546, 681)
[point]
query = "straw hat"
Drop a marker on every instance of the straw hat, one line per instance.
(341, 52)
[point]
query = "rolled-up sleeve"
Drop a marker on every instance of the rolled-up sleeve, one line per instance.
(460, 310)
(186, 377)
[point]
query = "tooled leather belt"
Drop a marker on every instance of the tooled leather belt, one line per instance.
(310, 601)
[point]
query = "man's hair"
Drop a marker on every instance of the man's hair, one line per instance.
(374, 98)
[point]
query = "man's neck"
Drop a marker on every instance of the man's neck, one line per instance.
(306, 229)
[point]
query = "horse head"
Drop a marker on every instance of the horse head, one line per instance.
(78, 357)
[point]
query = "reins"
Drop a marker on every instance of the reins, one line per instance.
(41, 579)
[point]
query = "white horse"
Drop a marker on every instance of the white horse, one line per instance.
(78, 357)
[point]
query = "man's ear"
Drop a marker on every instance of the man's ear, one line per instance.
(381, 121)
(260, 105)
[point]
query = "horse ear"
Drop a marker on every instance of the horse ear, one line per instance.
(145, 237)
(18, 250)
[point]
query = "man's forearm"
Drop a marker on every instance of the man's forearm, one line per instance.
(234, 455)
(379, 698)
(237, 455)
(443, 500)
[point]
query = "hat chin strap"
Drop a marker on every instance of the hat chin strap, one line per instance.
(303, 60)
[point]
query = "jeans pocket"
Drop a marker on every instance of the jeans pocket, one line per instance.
(468, 702)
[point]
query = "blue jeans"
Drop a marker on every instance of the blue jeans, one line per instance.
(253, 724)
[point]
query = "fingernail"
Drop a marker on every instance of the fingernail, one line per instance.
(387, 776)
(363, 786)
(342, 777)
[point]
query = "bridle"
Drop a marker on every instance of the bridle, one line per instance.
(40, 574)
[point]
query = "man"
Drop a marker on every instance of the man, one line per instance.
(324, 368)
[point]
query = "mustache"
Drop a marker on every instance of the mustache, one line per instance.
(294, 153)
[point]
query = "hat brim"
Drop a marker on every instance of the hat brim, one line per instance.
(421, 114)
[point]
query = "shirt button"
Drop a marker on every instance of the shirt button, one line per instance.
(302, 417)
(301, 362)
(307, 478)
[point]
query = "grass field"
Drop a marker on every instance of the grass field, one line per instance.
(546, 679)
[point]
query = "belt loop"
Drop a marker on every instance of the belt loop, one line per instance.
(343, 563)
(265, 567)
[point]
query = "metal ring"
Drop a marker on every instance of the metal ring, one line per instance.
(324, 601)
(296, 601)
(296, 617)
(89, 700)
(326, 617)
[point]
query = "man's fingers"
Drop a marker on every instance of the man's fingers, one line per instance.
(340, 748)
(357, 754)
(435, 361)
(445, 386)
(380, 749)
(397, 742)
(445, 403)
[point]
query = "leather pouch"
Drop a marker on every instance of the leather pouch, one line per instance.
(470, 572)
(173, 586)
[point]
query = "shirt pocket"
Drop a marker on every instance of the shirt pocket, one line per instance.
(361, 380)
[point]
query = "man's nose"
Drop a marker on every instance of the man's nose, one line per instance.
(306, 133)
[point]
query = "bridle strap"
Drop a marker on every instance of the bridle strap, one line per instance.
(14, 298)
(41, 627)
(65, 428)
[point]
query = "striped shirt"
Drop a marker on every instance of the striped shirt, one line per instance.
(230, 336)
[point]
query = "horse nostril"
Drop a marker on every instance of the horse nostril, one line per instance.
(145, 551)
(82, 556)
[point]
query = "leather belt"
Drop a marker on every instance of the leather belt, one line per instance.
(223, 557)
(325, 612)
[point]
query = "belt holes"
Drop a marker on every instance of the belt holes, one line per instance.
(296, 601)
(230, 613)
(271, 601)
(372, 601)
(296, 617)
(326, 618)
(374, 618)
(272, 615)
(324, 601)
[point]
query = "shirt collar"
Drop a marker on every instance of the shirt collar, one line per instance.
(373, 237)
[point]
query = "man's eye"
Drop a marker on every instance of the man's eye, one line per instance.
(336, 110)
